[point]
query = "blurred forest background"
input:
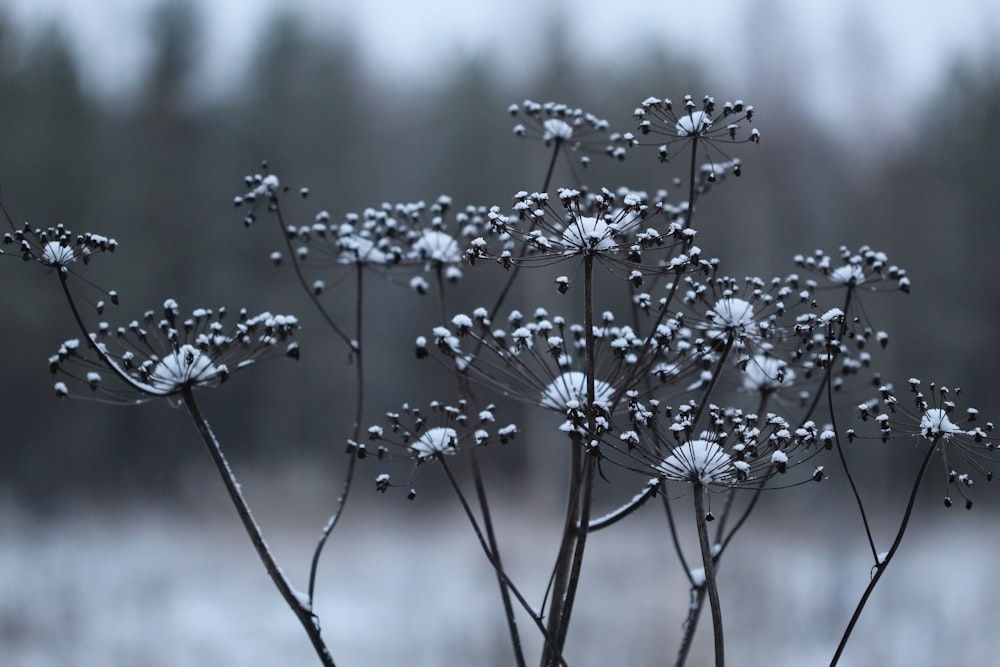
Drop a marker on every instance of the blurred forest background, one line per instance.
(157, 169)
(118, 574)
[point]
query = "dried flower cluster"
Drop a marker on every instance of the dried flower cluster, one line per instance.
(686, 382)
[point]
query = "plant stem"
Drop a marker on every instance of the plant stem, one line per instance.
(494, 549)
(708, 562)
(583, 471)
(299, 604)
(492, 557)
(881, 564)
(302, 280)
(359, 406)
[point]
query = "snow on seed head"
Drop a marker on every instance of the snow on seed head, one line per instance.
(694, 123)
(571, 388)
(183, 367)
(767, 373)
(437, 246)
(732, 315)
(588, 235)
(556, 128)
(436, 441)
(698, 461)
(935, 422)
(357, 249)
(56, 253)
(849, 274)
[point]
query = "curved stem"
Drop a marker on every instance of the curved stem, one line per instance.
(494, 549)
(359, 405)
(692, 172)
(560, 572)
(141, 387)
(300, 604)
(305, 285)
(505, 290)
(708, 562)
(491, 556)
(637, 501)
(882, 563)
(331, 523)
(832, 353)
(850, 478)
(556, 147)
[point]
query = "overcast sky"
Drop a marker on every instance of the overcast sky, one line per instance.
(904, 46)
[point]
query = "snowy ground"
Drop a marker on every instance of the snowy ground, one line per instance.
(154, 586)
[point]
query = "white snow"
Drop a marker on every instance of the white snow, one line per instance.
(187, 365)
(935, 422)
(570, 388)
(437, 246)
(848, 274)
(732, 315)
(557, 128)
(696, 122)
(699, 460)
(55, 253)
(585, 234)
(437, 440)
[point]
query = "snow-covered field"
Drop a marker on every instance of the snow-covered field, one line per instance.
(405, 585)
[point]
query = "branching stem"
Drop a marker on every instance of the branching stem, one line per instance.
(881, 564)
(300, 604)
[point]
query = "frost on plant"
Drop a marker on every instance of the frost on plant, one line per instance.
(162, 354)
(578, 132)
(698, 461)
(600, 315)
(570, 389)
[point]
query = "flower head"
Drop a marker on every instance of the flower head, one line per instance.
(411, 435)
(619, 228)
(698, 461)
(736, 448)
(56, 247)
(162, 356)
(570, 390)
(413, 235)
(765, 373)
(569, 129)
(864, 269)
(705, 122)
(965, 443)
(745, 314)
(262, 190)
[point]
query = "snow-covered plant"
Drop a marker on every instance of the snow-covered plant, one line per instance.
(668, 379)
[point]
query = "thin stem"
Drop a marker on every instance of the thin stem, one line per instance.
(586, 492)
(881, 564)
(855, 491)
(484, 508)
(692, 171)
(637, 501)
(359, 391)
(580, 545)
(708, 562)
(516, 267)
(675, 538)
(142, 388)
(560, 572)
(305, 285)
(556, 148)
(331, 523)
(300, 605)
(832, 353)
(491, 556)
(481, 497)
(698, 603)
